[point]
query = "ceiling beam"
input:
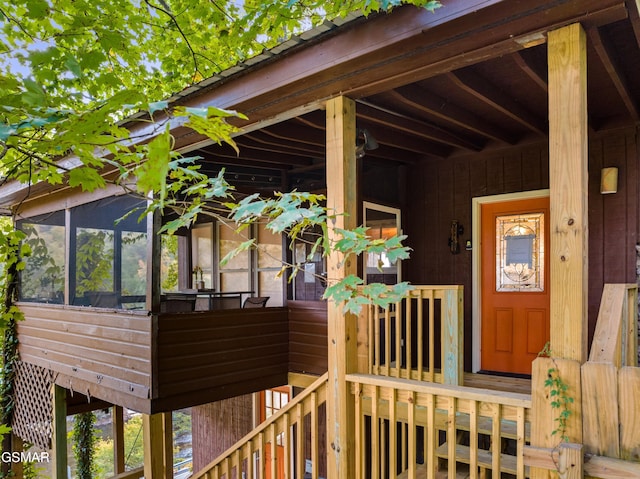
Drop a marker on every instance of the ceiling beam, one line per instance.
(255, 156)
(538, 75)
(294, 132)
(282, 145)
(443, 109)
(405, 141)
(611, 64)
(488, 93)
(634, 16)
(394, 121)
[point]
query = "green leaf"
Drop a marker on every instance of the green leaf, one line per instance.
(244, 246)
(73, 66)
(37, 9)
(152, 175)
(213, 111)
(88, 179)
(34, 94)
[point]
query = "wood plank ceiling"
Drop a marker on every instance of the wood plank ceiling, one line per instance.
(494, 104)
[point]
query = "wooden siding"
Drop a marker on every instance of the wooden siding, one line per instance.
(308, 337)
(441, 191)
(105, 354)
(217, 426)
(209, 356)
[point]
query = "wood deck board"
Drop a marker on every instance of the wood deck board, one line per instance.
(498, 383)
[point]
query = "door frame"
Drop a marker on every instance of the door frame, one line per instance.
(476, 205)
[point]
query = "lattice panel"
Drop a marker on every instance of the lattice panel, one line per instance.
(33, 404)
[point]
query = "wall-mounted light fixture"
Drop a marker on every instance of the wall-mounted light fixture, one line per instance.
(364, 142)
(609, 180)
(454, 236)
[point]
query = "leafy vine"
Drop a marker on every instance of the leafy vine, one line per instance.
(11, 251)
(559, 394)
(84, 439)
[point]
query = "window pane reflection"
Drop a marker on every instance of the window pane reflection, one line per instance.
(42, 279)
(94, 260)
(169, 263)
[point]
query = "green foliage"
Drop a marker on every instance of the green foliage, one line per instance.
(559, 395)
(11, 250)
(169, 263)
(71, 69)
(560, 401)
(4, 430)
(85, 65)
(134, 452)
(181, 421)
(84, 440)
(32, 469)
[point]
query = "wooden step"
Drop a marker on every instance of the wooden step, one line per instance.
(508, 463)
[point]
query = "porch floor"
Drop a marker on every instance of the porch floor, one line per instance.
(498, 382)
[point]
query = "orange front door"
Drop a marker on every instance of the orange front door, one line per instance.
(514, 284)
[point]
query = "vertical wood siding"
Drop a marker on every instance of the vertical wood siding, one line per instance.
(217, 426)
(441, 191)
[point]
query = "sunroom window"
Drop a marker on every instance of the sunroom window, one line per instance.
(108, 263)
(43, 278)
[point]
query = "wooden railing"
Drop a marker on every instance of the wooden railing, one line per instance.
(295, 433)
(409, 429)
(419, 338)
(615, 339)
(603, 412)
(603, 418)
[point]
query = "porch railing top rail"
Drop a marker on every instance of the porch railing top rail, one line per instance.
(459, 392)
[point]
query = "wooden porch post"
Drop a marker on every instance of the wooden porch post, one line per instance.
(154, 248)
(341, 197)
(568, 160)
(17, 468)
(117, 419)
(59, 433)
(158, 446)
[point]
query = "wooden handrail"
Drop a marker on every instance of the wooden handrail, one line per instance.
(615, 339)
(284, 428)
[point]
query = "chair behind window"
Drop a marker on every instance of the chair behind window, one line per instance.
(256, 302)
